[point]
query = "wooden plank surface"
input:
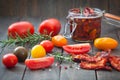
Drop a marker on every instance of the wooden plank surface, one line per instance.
(72, 71)
(110, 31)
(45, 9)
(76, 73)
(65, 72)
(18, 71)
(51, 73)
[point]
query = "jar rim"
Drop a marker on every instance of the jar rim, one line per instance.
(72, 13)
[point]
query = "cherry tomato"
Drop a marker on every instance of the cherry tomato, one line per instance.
(39, 63)
(59, 40)
(48, 45)
(38, 51)
(21, 53)
(105, 43)
(20, 28)
(77, 48)
(9, 60)
(50, 26)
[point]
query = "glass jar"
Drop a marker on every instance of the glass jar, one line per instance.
(83, 27)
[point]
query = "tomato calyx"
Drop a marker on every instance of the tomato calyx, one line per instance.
(77, 48)
(46, 32)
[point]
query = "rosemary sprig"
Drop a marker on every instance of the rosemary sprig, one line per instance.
(60, 57)
(30, 40)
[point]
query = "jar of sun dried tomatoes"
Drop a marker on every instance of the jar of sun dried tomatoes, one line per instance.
(83, 24)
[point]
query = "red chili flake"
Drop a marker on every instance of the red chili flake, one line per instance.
(65, 67)
(60, 67)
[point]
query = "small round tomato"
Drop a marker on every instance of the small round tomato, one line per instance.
(20, 29)
(77, 48)
(38, 51)
(9, 60)
(59, 40)
(48, 45)
(50, 27)
(21, 53)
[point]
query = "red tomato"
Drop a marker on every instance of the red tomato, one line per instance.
(50, 26)
(39, 63)
(9, 60)
(48, 45)
(20, 28)
(77, 48)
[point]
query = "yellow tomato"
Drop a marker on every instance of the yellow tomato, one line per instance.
(38, 51)
(105, 43)
(59, 40)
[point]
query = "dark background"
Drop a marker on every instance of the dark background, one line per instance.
(53, 8)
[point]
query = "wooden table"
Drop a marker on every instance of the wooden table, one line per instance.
(21, 72)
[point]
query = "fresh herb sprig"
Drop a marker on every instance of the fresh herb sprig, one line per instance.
(60, 57)
(30, 40)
